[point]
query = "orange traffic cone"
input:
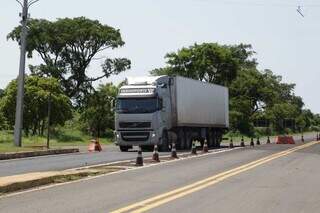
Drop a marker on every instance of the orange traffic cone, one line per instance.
(94, 146)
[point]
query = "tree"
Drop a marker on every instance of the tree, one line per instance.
(256, 95)
(3, 122)
(38, 90)
(1, 93)
(98, 110)
(208, 62)
(67, 46)
(2, 118)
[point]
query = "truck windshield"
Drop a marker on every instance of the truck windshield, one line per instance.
(137, 105)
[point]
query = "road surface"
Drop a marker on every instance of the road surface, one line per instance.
(65, 161)
(268, 178)
(68, 161)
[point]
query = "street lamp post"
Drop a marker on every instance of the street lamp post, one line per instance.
(20, 93)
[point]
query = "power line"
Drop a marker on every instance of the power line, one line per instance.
(270, 4)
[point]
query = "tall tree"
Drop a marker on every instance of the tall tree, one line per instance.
(98, 110)
(67, 46)
(38, 90)
(1, 93)
(208, 62)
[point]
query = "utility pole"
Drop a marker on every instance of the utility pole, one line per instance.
(20, 94)
(49, 120)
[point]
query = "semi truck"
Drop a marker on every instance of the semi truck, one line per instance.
(160, 110)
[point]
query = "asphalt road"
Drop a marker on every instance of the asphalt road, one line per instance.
(61, 162)
(65, 161)
(286, 182)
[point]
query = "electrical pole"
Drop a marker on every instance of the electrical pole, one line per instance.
(49, 120)
(20, 93)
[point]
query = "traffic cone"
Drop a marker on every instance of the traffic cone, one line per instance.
(194, 148)
(242, 142)
(205, 146)
(94, 146)
(268, 140)
(139, 160)
(251, 142)
(155, 156)
(302, 139)
(174, 151)
(258, 141)
(231, 144)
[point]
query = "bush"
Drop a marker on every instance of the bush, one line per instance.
(262, 131)
(315, 128)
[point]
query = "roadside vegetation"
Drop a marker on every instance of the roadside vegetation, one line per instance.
(261, 103)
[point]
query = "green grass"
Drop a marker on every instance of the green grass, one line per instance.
(61, 139)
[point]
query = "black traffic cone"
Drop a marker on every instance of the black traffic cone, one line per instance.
(242, 142)
(268, 140)
(194, 148)
(174, 151)
(205, 146)
(231, 144)
(258, 141)
(155, 156)
(251, 142)
(139, 160)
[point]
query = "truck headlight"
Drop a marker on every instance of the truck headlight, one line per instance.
(117, 135)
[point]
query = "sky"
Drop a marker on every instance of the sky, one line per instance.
(285, 42)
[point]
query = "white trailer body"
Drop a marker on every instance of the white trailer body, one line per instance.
(201, 104)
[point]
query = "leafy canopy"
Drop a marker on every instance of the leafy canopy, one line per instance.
(208, 62)
(38, 90)
(67, 46)
(98, 110)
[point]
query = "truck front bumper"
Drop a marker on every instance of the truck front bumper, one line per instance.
(136, 138)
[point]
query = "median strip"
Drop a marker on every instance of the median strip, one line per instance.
(15, 155)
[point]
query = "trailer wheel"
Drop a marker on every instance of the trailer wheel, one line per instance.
(164, 147)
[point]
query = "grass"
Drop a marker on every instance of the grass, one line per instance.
(62, 139)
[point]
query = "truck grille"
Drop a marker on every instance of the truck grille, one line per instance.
(135, 136)
(135, 124)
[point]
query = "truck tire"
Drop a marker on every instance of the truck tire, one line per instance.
(124, 148)
(164, 147)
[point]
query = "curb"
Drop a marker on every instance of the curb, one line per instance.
(8, 156)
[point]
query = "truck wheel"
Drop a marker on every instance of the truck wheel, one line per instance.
(164, 147)
(124, 148)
